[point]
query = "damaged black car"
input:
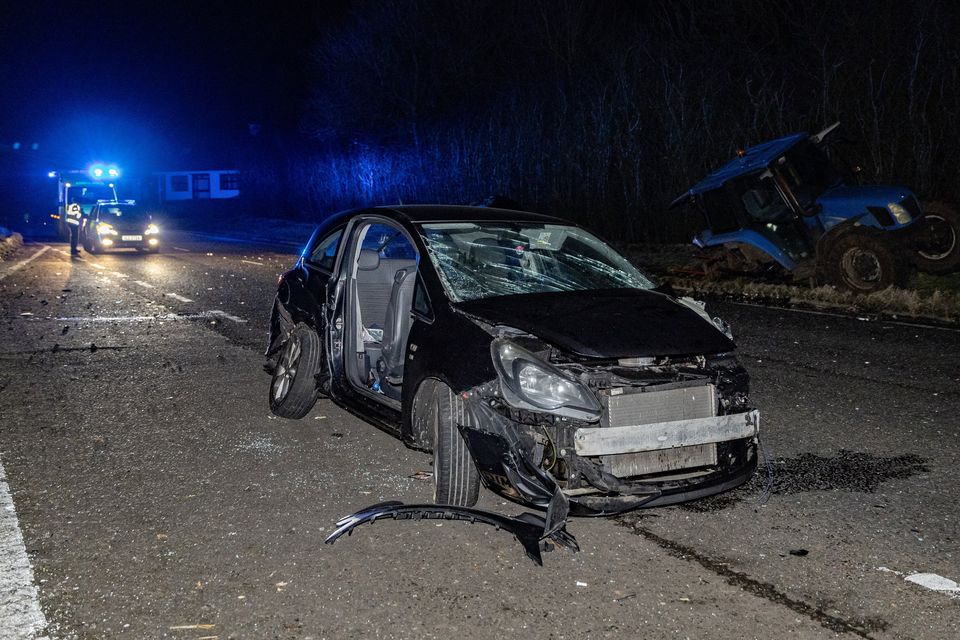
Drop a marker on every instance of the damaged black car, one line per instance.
(522, 351)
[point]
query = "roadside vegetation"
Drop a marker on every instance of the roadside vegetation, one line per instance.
(928, 297)
(9, 243)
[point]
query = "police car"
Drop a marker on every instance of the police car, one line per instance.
(118, 225)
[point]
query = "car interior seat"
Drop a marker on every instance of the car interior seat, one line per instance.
(379, 324)
(396, 327)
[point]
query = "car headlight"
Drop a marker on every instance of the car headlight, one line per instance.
(105, 229)
(530, 383)
(899, 212)
(151, 229)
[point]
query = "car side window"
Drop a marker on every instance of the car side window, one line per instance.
(326, 252)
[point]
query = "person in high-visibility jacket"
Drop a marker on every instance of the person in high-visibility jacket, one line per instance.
(74, 218)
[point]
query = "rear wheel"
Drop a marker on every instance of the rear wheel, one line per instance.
(862, 261)
(939, 250)
(456, 480)
(293, 389)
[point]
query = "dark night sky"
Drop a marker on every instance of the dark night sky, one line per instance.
(150, 85)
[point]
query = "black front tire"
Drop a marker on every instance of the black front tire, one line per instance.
(456, 480)
(293, 389)
(940, 238)
(862, 261)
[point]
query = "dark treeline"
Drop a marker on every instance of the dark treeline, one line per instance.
(603, 112)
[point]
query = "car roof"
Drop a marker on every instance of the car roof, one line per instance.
(756, 158)
(421, 213)
(456, 213)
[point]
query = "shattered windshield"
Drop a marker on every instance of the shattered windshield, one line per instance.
(482, 260)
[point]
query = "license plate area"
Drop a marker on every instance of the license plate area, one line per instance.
(131, 238)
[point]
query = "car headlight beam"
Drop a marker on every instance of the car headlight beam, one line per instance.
(106, 229)
(151, 229)
(530, 383)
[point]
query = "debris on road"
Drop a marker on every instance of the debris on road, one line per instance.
(189, 627)
(528, 528)
(421, 475)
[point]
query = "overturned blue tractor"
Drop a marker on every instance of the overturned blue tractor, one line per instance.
(789, 207)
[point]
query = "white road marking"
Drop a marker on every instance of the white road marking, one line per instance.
(935, 582)
(259, 264)
(176, 296)
(932, 581)
(20, 265)
(119, 275)
(20, 613)
(182, 249)
(160, 316)
(67, 253)
(97, 266)
(224, 314)
(145, 285)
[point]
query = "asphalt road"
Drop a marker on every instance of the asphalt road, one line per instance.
(157, 497)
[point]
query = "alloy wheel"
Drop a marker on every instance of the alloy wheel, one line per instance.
(286, 369)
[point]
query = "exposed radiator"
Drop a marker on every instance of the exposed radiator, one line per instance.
(632, 407)
(629, 407)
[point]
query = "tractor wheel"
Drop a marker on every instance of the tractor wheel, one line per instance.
(939, 249)
(862, 261)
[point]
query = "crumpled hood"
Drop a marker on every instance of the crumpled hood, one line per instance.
(607, 323)
(847, 201)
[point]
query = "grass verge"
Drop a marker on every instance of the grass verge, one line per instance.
(928, 297)
(9, 245)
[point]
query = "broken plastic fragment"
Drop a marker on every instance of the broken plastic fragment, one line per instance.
(527, 528)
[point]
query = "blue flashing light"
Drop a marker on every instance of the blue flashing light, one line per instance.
(51, 174)
(99, 171)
